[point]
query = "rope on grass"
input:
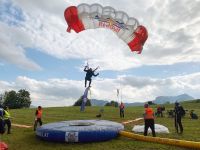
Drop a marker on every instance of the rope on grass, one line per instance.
(21, 125)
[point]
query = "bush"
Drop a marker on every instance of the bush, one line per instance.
(20, 99)
(80, 100)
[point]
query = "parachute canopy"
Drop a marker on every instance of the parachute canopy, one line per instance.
(93, 16)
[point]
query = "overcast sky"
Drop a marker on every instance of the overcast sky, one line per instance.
(37, 54)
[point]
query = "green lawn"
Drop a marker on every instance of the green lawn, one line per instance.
(25, 139)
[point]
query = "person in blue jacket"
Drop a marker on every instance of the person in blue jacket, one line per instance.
(2, 123)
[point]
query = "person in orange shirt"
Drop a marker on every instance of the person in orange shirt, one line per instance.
(149, 120)
(38, 117)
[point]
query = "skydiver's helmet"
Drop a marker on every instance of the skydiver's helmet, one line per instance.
(90, 69)
(146, 105)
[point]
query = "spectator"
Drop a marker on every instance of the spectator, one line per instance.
(38, 118)
(7, 120)
(179, 113)
(121, 109)
(149, 120)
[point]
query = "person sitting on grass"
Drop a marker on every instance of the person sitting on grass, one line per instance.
(193, 115)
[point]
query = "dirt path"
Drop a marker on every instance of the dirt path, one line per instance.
(21, 125)
(135, 121)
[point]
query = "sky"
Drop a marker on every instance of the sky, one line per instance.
(37, 54)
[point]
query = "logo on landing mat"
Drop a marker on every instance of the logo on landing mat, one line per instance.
(71, 136)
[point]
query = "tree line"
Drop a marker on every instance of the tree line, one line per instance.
(88, 103)
(14, 100)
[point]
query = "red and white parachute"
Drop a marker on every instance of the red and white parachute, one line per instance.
(93, 16)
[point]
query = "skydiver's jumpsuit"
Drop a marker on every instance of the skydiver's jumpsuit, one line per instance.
(88, 77)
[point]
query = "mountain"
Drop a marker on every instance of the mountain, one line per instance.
(172, 99)
(134, 104)
(96, 102)
(158, 100)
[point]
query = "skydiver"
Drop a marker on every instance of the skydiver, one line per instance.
(89, 74)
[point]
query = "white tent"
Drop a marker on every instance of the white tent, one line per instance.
(158, 129)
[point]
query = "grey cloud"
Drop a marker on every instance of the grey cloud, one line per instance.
(63, 91)
(142, 82)
(15, 55)
(56, 88)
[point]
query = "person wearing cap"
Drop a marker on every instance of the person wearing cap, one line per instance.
(149, 120)
(179, 113)
(7, 120)
(38, 117)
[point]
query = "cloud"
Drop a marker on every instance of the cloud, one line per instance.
(53, 92)
(64, 92)
(173, 34)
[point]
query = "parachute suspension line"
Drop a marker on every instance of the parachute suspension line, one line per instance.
(118, 95)
(120, 88)
(87, 64)
(71, 42)
(119, 92)
(121, 95)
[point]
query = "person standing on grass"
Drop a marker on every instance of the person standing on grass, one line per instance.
(179, 113)
(2, 113)
(38, 117)
(149, 120)
(7, 120)
(121, 109)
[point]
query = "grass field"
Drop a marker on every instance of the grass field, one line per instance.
(25, 139)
